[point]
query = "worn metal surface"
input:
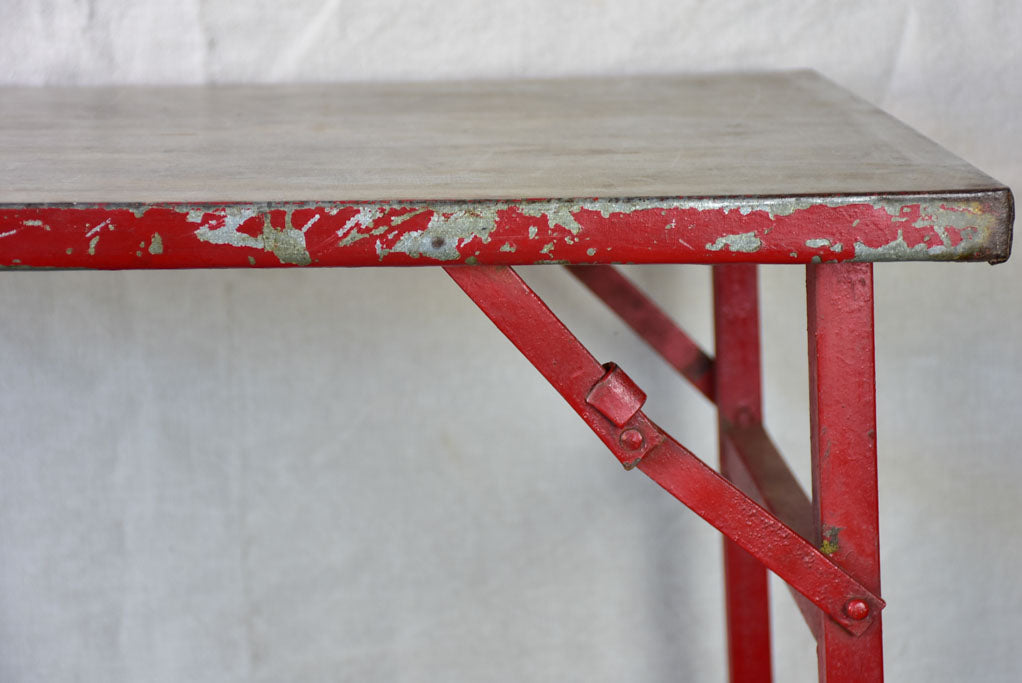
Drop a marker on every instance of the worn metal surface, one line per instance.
(813, 229)
(842, 412)
(771, 168)
(639, 443)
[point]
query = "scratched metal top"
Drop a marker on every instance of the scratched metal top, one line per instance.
(778, 168)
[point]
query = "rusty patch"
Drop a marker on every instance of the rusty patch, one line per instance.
(830, 544)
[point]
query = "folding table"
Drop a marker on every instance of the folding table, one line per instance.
(727, 169)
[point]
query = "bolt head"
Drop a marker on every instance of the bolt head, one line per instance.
(857, 609)
(631, 439)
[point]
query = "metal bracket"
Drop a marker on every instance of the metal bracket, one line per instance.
(610, 404)
(619, 399)
(616, 396)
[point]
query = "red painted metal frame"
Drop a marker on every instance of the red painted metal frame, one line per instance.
(843, 430)
(754, 464)
(590, 389)
(737, 388)
(585, 230)
(759, 470)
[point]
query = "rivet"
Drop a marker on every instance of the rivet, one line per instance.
(857, 609)
(631, 439)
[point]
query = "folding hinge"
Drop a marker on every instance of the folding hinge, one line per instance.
(619, 399)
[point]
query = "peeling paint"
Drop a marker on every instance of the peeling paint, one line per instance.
(745, 242)
(287, 244)
(556, 212)
(312, 221)
(446, 233)
(398, 220)
(227, 234)
(965, 226)
(898, 250)
(364, 219)
(97, 228)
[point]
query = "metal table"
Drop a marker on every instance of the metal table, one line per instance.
(730, 170)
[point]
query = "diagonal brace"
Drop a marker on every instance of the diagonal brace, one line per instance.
(760, 471)
(756, 466)
(610, 404)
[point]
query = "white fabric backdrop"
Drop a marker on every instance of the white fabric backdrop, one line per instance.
(349, 475)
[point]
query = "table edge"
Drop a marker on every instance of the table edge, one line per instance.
(972, 225)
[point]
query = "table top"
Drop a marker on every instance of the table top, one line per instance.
(757, 167)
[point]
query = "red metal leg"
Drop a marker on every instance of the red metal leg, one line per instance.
(843, 422)
(610, 403)
(737, 390)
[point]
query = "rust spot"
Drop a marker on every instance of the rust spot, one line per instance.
(830, 544)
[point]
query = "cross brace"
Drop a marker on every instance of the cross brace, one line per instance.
(610, 403)
(748, 457)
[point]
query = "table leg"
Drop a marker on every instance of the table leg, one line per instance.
(737, 390)
(611, 404)
(843, 431)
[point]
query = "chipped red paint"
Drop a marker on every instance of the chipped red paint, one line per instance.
(495, 233)
(954, 236)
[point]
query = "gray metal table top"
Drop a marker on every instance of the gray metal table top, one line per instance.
(777, 143)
